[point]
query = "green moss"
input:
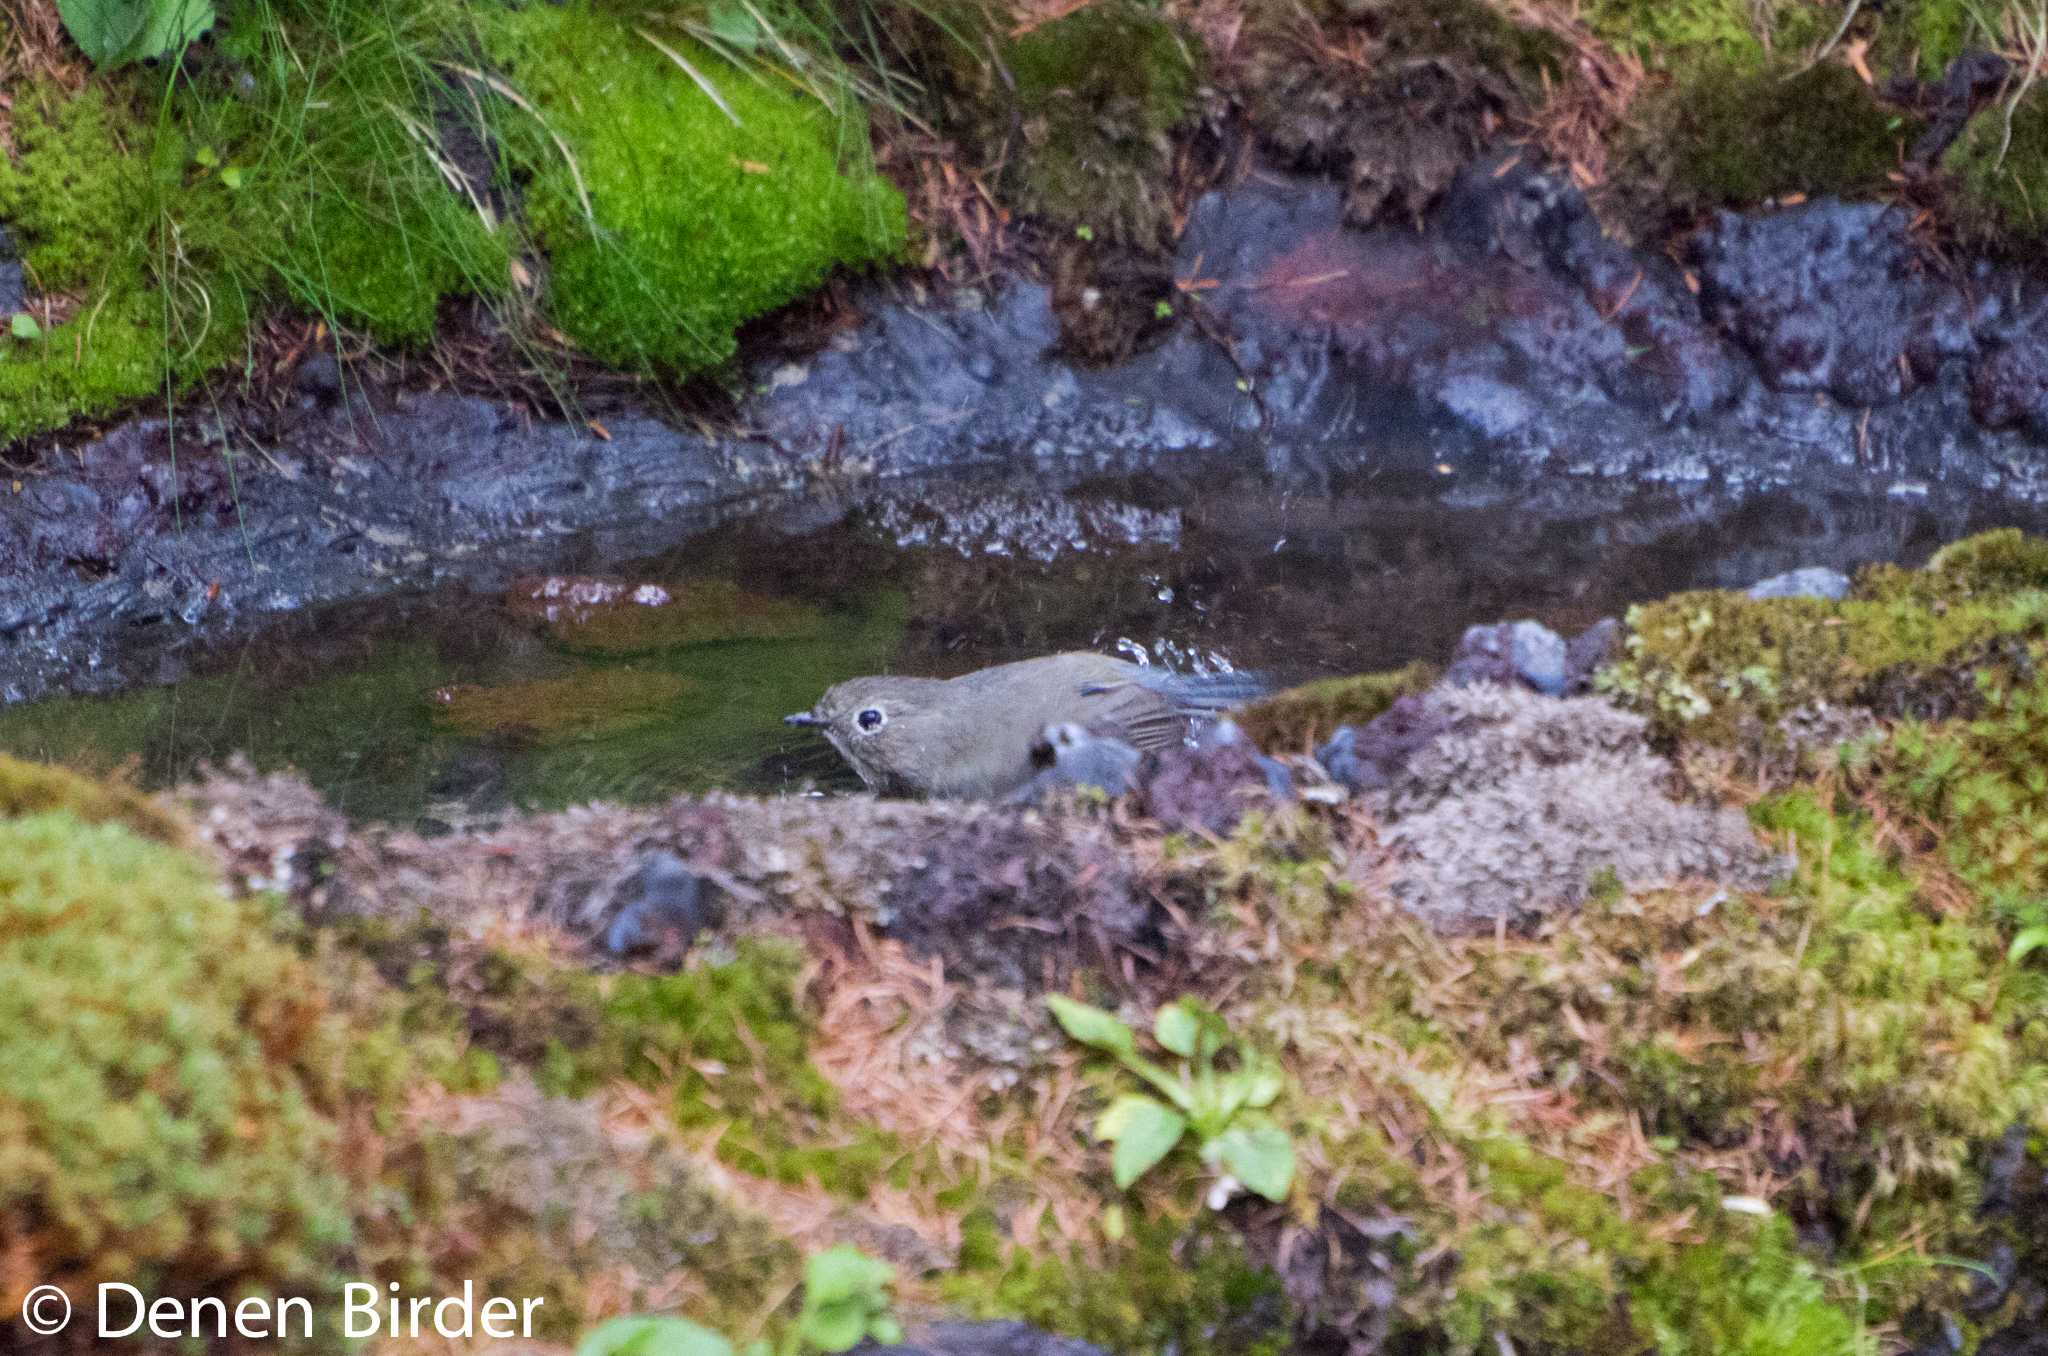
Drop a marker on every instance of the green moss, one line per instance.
(2003, 176)
(1304, 716)
(1981, 785)
(96, 204)
(35, 788)
(170, 1088)
(1722, 667)
(1760, 1297)
(1167, 1287)
(1727, 134)
(1680, 32)
(1095, 94)
(693, 224)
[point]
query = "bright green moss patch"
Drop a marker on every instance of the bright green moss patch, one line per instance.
(170, 1088)
(1681, 32)
(1763, 1299)
(97, 206)
(667, 224)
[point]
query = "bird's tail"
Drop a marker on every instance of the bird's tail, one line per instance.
(1197, 694)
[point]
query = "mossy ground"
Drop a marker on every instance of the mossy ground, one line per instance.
(365, 162)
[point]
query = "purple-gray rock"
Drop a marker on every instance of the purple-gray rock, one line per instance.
(1588, 652)
(1511, 654)
(1814, 581)
(1209, 783)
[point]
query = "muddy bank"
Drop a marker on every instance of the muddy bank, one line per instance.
(1509, 347)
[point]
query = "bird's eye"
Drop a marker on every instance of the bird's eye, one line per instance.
(870, 719)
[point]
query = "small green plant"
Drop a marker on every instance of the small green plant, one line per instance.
(116, 32)
(846, 1302)
(1225, 1109)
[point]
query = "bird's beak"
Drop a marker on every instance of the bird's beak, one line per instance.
(800, 718)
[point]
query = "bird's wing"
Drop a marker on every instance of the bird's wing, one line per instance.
(1140, 716)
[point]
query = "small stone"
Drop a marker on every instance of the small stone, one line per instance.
(1208, 784)
(1814, 581)
(1510, 654)
(665, 897)
(1367, 758)
(319, 376)
(1590, 651)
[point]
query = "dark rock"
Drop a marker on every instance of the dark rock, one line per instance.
(1368, 759)
(984, 1339)
(665, 900)
(1813, 581)
(319, 375)
(13, 282)
(1210, 783)
(1829, 296)
(2009, 387)
(1072, 758)
(1511, 654)
(1590, 651)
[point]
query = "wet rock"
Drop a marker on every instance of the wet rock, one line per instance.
(1524, 653)
(13, 282)
(1368, 758)
(1074, 759)
(1590, 651)
(2009, 387)
(985, 1339)
(664, 901)
(1210, 782)
(1830, 296)
(1812, 581)
(319, 375)
(1519, 803)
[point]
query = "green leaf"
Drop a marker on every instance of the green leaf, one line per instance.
(114, 32)
(843, 1273)
(2029, 941)
(886, 1330)
(1261, 1157)
(732, 25)
(1265, 1083)
(232, 176)
(1144, 1132)
(206, 157)
(1175, 1028)
(24, 326)
(652, 1337)
(836, 1327)
(1091, 1025)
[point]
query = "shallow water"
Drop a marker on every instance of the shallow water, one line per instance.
(447, 705)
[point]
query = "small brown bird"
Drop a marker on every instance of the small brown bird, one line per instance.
(975, 736)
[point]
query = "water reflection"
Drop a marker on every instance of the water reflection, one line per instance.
(455, 704)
